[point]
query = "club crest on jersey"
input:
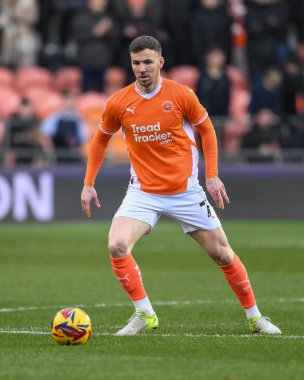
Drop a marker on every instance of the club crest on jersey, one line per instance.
(167, 106)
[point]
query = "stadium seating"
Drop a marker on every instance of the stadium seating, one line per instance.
(237, 125)
(68, 79)
(232, 133)
(90, 103)
(9, 101)
(240, 92)
(115, 78)
(185, 74)
(45, 101)
(6, 78)
(89, 106)
(33, 77)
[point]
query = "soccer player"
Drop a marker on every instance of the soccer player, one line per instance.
(158, 117)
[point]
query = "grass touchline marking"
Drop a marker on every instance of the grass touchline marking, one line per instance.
(185, 335)
(106, 305)
(157, 303)
(24, 332)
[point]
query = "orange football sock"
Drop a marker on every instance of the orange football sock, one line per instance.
(238, 280)
(128, 274)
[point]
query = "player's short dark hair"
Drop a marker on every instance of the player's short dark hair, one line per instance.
(145, 42)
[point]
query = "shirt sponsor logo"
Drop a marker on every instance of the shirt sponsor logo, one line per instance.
(149, 133)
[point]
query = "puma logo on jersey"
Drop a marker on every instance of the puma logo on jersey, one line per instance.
(132, 110)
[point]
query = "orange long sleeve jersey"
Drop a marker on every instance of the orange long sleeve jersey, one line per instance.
(159, 133)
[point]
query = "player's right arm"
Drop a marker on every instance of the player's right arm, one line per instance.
(88, 194)
(96, 156)
(108, 127)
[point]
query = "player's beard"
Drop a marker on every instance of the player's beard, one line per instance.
(145, 80)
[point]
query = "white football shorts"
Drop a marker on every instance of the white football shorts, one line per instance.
(190, 208)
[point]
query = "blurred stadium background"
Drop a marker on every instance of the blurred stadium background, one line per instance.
(59, 62)
(61, 59)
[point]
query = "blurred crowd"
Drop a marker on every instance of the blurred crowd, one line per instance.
(61, 59)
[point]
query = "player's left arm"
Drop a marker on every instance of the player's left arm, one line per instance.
(199, 118)
(214, 185)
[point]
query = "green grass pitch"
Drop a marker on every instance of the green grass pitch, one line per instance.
(203, 333)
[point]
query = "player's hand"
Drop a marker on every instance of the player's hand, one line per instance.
(216, 189)
(88, 194)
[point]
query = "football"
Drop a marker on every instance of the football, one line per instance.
(71, 326)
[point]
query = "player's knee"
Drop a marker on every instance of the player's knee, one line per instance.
(117, 248)
(222, 254)
(226, 256)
